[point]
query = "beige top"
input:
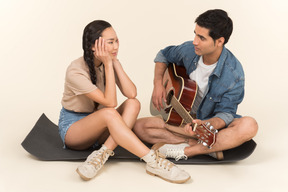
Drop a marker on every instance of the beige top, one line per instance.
(78, 83)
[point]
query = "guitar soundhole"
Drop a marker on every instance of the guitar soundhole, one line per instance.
(169, 97)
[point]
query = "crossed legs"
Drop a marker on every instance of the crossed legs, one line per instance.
(110, 126)
(153, 130)
(119, 123)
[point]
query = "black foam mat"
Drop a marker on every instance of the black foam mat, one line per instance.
(44, 142)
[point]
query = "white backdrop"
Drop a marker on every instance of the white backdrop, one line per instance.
(39, 39)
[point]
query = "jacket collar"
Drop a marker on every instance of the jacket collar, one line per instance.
(220, 63)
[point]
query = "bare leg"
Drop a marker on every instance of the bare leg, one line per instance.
(86, 131)
(152, 130)
(129, 111)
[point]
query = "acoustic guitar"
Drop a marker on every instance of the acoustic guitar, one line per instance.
(181, 93)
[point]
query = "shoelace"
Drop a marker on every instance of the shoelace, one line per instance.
(100, 158)
(176, 153)
(161, 161)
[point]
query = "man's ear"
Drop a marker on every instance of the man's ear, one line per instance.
(220, 41)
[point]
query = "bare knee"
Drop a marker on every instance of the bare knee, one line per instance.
(144, 127)
(109, 113)
(252, 124)
(133, 105)
(248, 127)
(140, 127)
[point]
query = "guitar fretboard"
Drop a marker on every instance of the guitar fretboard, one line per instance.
(182, 112)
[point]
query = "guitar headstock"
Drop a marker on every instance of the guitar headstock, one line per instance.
(206, 134)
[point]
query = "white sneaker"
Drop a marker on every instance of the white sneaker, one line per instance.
(94, 163)
(157, 165)
(175, 151)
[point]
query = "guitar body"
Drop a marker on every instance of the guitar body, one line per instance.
(177, 83)
(181, 93)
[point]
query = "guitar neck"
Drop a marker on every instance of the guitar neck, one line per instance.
(182, 112)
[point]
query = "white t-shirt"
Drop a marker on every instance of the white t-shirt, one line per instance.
(201, 77)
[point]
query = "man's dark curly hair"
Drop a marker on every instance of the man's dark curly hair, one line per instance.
(218, 23)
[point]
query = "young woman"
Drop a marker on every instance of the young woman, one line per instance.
(89, 117)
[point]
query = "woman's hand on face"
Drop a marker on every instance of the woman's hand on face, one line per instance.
(100, 51)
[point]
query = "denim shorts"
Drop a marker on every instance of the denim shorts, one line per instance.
(66, 119)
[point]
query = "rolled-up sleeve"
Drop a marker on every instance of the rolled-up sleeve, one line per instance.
(226, 117)
(161, 58)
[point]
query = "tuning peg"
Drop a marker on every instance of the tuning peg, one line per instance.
(202, 142)
(211, 127)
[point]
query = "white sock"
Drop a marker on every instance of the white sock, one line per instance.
(149, 158)
(103, 147)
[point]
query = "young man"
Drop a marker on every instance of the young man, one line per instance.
(220, 79)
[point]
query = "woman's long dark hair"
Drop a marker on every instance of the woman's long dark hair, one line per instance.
(92, 32)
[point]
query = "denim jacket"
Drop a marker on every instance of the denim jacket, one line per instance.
(225, 86)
